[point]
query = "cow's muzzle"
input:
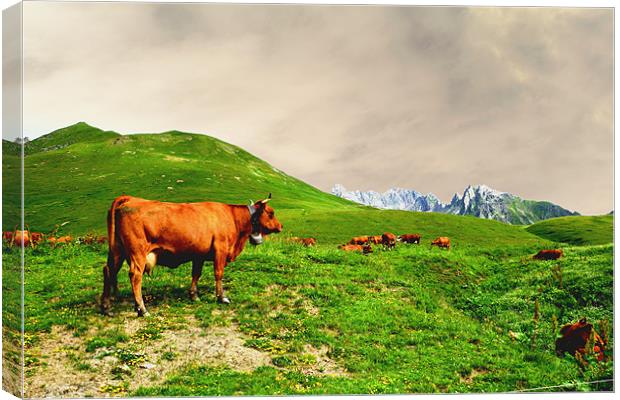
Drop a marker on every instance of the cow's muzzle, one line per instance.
(256, 239)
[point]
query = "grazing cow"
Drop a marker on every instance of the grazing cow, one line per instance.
(63, 240)
(389, 240)
(88, 239)
(410, 238)
(7, 236)
(548, 255)
(364, 249)
(440, 242)
(576, 336)
(359, 240)
(376, 239)
(22, 238)
(146, 233)
(36, 237)
(308, 242)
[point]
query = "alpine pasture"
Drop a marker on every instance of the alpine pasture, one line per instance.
(481, 317)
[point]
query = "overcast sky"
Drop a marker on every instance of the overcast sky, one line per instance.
(432, 99)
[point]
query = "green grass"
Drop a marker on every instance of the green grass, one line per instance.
(576, 230)
(405, 321)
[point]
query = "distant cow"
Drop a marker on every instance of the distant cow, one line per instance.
(576, 336)
(88, 239)
(364, 249)
(59, 240)
(359, 240)
(548, 255)
(22, 238)
(376, 239)
(412, 238)
(308, 242)
(440, 242)
(389, 240)
(7, 236)
(101, 239)
(36, 237)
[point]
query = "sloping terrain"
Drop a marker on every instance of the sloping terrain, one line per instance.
(481, 317)
(73, 174)
(579, 230)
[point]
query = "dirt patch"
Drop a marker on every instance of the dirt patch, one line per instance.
(218, 345)
(67, 370)
(323, 364)
(472, 375)
(55, 375)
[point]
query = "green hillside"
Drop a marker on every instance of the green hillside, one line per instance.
(578, 230)
(524, 212)
(74, 173)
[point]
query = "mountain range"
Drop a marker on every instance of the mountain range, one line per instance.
(479, 200)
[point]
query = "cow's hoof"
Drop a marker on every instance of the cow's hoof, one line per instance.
(107, 312)
(223, 300)
(143, 313)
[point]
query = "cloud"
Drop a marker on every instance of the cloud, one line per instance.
(431, 98)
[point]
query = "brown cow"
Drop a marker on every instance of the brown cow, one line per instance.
(440, 242)
(548, 255)
(7, 236)
(359, 240)
(389, 240)
(88, 239)
(308, 242)
(63, 240)
(410, 238)
(145, 233)
(22, 238)
(101, 239)
(376, 239)
(36, 237)
(575, 337)
(365, 249)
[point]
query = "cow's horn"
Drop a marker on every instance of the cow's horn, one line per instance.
(251, 203)
(267, 199)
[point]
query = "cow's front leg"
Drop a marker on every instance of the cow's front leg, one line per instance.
(218, 268)
(136, 270)
(196, 272)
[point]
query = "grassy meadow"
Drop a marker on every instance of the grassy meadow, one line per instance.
(482, 317)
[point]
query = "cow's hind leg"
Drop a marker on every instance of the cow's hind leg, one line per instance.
(136, 270)
(110, 281)
(196, 272)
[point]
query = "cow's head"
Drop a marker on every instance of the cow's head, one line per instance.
(264, 221)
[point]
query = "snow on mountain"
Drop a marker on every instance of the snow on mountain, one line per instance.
(480, 201)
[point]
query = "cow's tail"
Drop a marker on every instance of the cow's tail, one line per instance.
(114, 246)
